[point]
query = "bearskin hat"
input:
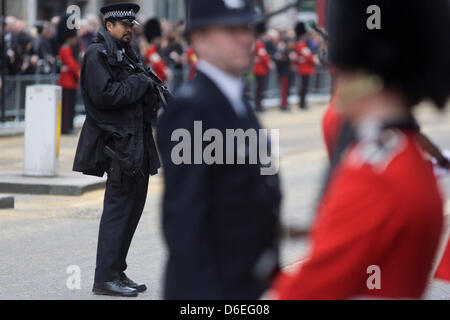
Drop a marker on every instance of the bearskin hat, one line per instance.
(152, 29)
(408, 47)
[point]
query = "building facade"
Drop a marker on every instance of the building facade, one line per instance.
(33, 10)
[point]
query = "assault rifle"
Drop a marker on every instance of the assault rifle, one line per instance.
(163, 94)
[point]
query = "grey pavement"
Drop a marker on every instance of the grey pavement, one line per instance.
(66, 183)
(44, 235)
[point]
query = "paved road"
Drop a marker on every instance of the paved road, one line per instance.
(45, 235)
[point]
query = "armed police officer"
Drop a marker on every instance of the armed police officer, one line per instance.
(121, 100)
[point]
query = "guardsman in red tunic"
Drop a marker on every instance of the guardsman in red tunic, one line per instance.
(373, 218)
(70, 75)
(305, 60)
(379, 223)
(262, 66)
(152, 57)
(283, 48)
(192, 61)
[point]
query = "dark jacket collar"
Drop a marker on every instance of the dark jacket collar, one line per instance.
(111, 45)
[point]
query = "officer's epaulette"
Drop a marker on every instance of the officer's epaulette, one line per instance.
(378, 153)
(102, 49)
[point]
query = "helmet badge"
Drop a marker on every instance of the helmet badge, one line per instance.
(234, 4)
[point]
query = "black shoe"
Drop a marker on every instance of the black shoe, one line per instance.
(114, 288)
(131, 284)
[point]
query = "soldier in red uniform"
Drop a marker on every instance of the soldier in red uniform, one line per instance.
(153, 59)
(70, 75)
(381, 215)
(305, 61)
(262, 66)
(283, 48)
(192, 61)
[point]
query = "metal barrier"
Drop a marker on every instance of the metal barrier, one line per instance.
(320, 83)
(15, 87)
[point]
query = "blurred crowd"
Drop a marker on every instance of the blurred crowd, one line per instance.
(34, 50)
(50, 48)
(293, 52)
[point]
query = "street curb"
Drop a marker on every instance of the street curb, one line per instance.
(67, 184)
(6, 202)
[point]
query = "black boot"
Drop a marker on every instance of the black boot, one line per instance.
(114, 288)
(131, 284)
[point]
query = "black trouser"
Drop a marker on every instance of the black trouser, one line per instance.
(122, 210)
(177, 79)
(304, 91)
(68, 109)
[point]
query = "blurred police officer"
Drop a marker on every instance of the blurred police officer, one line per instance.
(218, 220)
(117, 139)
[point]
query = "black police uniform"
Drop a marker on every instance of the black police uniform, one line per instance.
(117, 139)
(218, 220)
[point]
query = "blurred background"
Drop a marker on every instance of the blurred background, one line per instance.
(44, 232)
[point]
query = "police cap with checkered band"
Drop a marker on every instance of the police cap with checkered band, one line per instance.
(203, 13)
(125, 12)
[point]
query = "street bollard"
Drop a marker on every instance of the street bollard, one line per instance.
(42, 130)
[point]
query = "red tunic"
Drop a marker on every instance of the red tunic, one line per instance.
(70, 69)
(304, 59)
(331, 125)
(154, 61)
(382, 209)
(192, 61)
(262, 60)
